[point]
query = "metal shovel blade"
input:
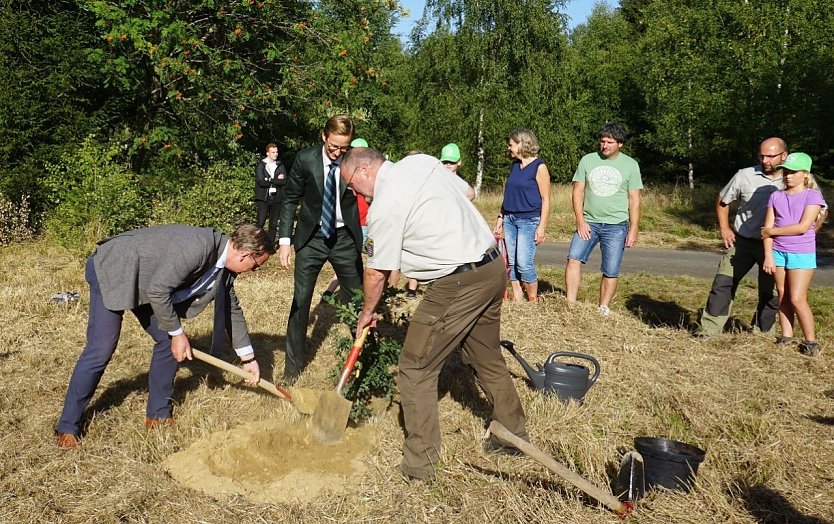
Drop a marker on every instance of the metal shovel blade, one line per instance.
(305, 400)
(331, 417)
(332, 412)
(631, 480)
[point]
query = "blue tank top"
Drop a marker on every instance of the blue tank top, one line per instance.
(521, 194)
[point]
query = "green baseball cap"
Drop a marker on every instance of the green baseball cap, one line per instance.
(450, 153)
(359, 142)
(797, 162)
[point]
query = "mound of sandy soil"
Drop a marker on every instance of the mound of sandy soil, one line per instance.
(271, 461)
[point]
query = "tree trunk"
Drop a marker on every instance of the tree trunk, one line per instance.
(479, 177)
(783, 52)
(691, 174)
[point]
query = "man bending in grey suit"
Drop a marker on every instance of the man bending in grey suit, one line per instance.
(161, 274)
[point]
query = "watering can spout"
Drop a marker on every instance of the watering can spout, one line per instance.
(536, 376)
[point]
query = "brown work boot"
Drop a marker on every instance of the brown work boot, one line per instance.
(159, 423)
(68, 441)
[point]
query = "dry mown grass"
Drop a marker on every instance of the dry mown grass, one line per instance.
(764, 414)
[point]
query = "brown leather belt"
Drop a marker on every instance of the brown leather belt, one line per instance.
(490, 255)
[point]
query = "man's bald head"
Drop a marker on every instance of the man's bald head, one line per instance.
(772, 152)
(361, 155)
(359, 168)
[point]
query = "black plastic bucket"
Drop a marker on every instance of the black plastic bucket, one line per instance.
(669, 463)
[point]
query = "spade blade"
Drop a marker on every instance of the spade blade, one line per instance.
(631, 480)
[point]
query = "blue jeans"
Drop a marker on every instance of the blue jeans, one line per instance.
(611, 239)
(520, 236)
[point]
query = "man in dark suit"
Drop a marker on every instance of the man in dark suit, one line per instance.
(270, 179)
(161, 274)
(327, 229)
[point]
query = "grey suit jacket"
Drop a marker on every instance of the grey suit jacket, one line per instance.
(146, 266)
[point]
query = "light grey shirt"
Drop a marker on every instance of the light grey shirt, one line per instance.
(421, 221)
(752, 188)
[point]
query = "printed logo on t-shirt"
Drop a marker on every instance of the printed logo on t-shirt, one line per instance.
(604, 180)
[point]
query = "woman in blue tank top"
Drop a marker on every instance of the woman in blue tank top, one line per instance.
(524, 212)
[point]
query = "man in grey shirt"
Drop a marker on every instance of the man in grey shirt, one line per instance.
(752, 188)
(423, 223)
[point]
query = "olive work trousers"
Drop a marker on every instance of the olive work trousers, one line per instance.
(457, 310)
(734, 265)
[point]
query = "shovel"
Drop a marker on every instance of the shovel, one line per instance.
(333, 410)
(303, 400)
(631, 480)
(611, 502)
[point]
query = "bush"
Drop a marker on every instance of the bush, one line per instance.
(221, 200)
(93, 194)
(374, 372)
(14, 220)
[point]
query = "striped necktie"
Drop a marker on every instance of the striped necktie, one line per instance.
(328, 204)
(198, 288)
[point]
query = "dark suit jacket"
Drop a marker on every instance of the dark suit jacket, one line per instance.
(305, 187)
(146, 266)
(263, 183)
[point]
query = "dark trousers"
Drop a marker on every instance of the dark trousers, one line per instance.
(734, 265)
(340, 250)
(103, 330)
(271, 209)
(457, 310)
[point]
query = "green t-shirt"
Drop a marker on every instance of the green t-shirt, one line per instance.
(607, 183)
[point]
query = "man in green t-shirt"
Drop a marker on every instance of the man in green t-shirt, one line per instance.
(606, 206)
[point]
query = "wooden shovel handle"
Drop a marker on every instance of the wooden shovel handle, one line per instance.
(539, 456)
(231, 368)
(352, 357)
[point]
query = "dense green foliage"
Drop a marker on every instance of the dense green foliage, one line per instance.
(153, 110)
(92, 193)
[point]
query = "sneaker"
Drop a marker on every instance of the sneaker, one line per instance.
(784, 340)
(64, 298)
(603, 310)
(809, 347)
(411, 294)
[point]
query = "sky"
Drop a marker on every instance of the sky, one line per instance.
(577, 10)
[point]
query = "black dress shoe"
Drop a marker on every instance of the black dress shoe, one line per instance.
(288, 379)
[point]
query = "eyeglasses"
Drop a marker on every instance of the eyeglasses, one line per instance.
(350, 180)
(255, 265)
(333, 148)
(770, 157)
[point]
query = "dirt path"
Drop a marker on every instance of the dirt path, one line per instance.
(656, 261)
